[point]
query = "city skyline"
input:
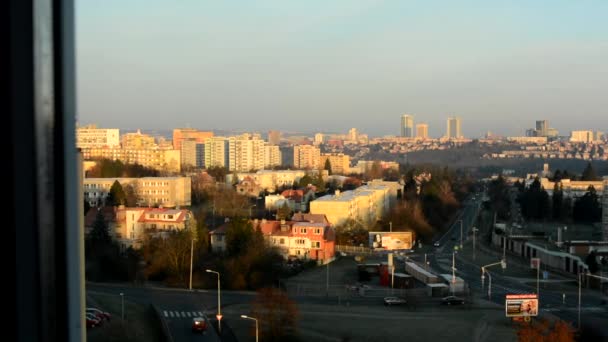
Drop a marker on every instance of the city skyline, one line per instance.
(273, 65)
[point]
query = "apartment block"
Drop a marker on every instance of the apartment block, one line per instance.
(365, 205)
(188, 152)
(340, 162)
(245, 153)
(181, 134)
(272, 156)
(216, 152)
(162, 160)
(137, 140)
(151, 191)
(93, 137)
(422, 131)
(306, 157)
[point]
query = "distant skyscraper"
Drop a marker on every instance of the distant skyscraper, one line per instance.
(454, 127)
(422, 131)
(353, 135)
(318, 139)
(541, 128)
(274, 137)
(407, 126)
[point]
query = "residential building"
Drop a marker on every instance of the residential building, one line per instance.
(181, 134)
(454, 128)
(407, 126)
(245, 153)
(571, 188)
(137, 140)
(130, 225)
(364, 166)
(272, 156)
(200, 155)
(188, 153)
(93, 137)
(318, 139)
(306, 157)
(587, 136)
(162, 160)
(165, 191)
(422, 131)
(216, 152)
(538, 140)
(274, 137)
(365, 205)
(552, 132)
(353, 135)
(340, 162)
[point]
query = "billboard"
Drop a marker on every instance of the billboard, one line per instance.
(390, 240)
(535, 263)
(521, 305)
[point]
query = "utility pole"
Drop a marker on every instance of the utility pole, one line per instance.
(453, 270)
(391, 226)
(474, 241)
(461, 224)
(191, 258)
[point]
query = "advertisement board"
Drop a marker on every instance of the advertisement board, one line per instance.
(521, 305)
(390, 240)
(534, 263)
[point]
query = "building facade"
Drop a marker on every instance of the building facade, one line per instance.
(306, 157)
(151, 191)
(422, 131)
(216, 152)
(162, 160)
(274, 137)
(188, 153)
(272, 156)
(454, 128)
(181, 134)
(93, 137)
(365, 205)
(340, 162)
(407, 126)
(245, 153)
(137, 140)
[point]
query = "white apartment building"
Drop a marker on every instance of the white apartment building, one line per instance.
(162, 160)
(340, 162)
(91, 136)
(165, 191)
(216, 152)
(365, 205)
(245, 153)
(270, 179)
(306, 157)
(188, 152)
(318, 139)
(571, 188)
(528, 140)
(585, 136)
(272, 156)
(133, 223)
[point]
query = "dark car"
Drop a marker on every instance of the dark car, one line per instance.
(388, 301)
(92, 320)
(452, 300)
(102, 315)
(199, 324)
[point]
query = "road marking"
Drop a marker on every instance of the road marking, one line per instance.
(183, 314)
(165, 312)
(171, 314)
(188, 314)
(200, 314)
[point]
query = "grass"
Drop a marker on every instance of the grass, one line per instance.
(141, 322)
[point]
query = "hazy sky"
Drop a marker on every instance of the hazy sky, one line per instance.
(330, 65)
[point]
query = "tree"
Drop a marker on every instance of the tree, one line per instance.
(132, 199)
(544, 330)
(218, 172)
(589, 173)
(277, 313)
(305, 181)
(328, 166)
(87, 207)
(116, 196)
(587, 208)
(284, 212)
(591, 261)
(238, 236)
(534, 202)
(176, 247)
(557, 201)
(99, 234)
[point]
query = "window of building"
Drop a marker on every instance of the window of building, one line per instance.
(282, 241)
(303, 230)
(170, 216)
(219, 238)
(316, 244)
(317, 231)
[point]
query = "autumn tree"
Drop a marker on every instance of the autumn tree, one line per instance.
(284, 212)
(116, 196)
(132, 198)
(546, 331)
(276, 313)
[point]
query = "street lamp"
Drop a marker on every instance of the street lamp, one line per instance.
(219, 307)
(461, 224)
(250, 210)
(502, 263)
(122, 306)
(191, 258)
(256, 325)
(474, 241)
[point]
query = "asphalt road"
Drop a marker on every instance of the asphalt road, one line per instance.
(592, 313)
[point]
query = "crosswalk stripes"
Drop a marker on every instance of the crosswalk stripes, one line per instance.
(182, 314)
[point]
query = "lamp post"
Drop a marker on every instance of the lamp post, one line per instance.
(191, 258)
(219, 306)
(502, 263)
(461, 224)
(474, 241)
(256, 325)
(122, 306)
(250, 210)
(390, 224)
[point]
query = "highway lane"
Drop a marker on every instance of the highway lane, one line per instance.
(550, 301)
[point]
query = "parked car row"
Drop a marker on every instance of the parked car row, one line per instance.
(95, 317)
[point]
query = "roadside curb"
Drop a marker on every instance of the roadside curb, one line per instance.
(163, 324)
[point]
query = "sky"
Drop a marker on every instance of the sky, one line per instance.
(320, 65)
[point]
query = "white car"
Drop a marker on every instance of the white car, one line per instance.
(389, 301)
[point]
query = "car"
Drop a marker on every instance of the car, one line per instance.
(437, 244)
(199, 324)
(389, 301)
(92, 320)
(452, 300)
(103, 315)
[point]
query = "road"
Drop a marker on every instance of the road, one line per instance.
(592, 311)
